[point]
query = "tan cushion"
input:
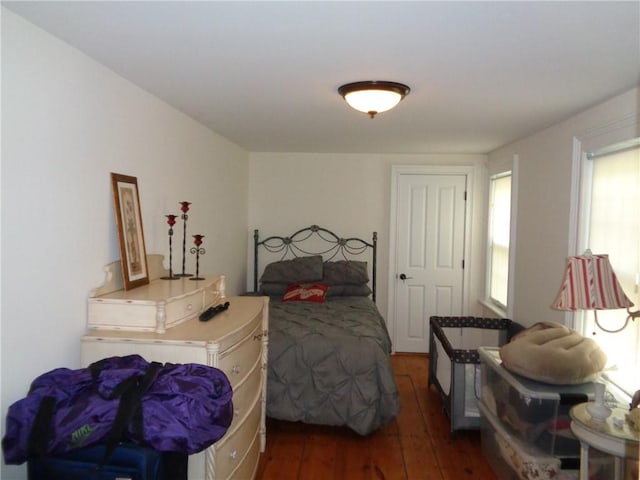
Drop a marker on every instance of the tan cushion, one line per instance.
(552, 353)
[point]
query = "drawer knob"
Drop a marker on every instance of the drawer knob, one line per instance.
(257, 337)
(235, 369)
(189, 307)
(233, 455)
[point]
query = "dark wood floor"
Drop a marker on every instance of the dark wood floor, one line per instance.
(415, 446)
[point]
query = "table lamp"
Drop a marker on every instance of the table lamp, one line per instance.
(591, 284)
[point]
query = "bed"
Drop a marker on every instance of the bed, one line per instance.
(329, 348)
(454, 362)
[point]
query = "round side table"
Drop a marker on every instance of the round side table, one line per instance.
(620, 441)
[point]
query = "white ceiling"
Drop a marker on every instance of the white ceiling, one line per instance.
(265, 74)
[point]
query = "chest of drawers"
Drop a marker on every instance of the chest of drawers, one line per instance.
(234, 341)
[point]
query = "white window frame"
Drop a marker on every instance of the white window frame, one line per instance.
(506, 168)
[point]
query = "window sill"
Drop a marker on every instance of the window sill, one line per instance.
(494, 308)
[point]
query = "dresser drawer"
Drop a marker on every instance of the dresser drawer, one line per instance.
(180, 309)
(248, 467)
(246, 393)
(236, 362)
(233, 448)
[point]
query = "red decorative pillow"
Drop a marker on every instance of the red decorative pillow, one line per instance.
(315, 292)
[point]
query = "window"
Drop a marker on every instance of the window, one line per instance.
(610, 214)
(498, 241)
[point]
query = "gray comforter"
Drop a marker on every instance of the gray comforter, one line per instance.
(329, 364)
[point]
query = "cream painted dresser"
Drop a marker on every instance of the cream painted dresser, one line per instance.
(234, 341)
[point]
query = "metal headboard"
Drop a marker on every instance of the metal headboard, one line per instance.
(329, 246)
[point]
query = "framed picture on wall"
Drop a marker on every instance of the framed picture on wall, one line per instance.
(133, 254)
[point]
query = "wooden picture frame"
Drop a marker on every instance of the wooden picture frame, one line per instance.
(133, 254)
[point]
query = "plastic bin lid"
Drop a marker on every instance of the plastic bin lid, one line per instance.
(527, 387)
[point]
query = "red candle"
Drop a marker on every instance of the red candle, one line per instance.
(197, 239)
(171, 219)
(185, 206)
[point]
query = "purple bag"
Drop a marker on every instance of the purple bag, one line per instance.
(187, 408)
(172, 408)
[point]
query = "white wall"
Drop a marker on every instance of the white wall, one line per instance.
(67, 122)
(544, 236)
(350, 195)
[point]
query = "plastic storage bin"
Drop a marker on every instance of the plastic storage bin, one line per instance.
(511, 458)
(535, 413)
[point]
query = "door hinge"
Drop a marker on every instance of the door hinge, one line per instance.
(463, 264)
(465, 195)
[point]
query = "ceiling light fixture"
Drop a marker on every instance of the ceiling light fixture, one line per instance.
(373, 96)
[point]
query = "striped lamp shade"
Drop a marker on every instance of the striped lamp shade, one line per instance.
(590, 284)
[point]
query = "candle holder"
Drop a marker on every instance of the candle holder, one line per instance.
(184, 206)
(198, 250)
(171, 220)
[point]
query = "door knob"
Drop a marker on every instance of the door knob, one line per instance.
(404, 277)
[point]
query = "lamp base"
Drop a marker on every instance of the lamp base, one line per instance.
(599, 413)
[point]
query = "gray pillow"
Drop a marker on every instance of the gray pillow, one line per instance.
(296, 270)
(345, 272)
(348, 291)
(273, 289)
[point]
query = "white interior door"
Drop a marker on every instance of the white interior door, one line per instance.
(427, 265)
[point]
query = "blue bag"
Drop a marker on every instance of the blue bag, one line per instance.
(127, 462)
(181, 408)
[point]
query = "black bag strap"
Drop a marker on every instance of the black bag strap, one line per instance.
(130, 404)
(136, 420)
(130, 407)
(40, 433)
